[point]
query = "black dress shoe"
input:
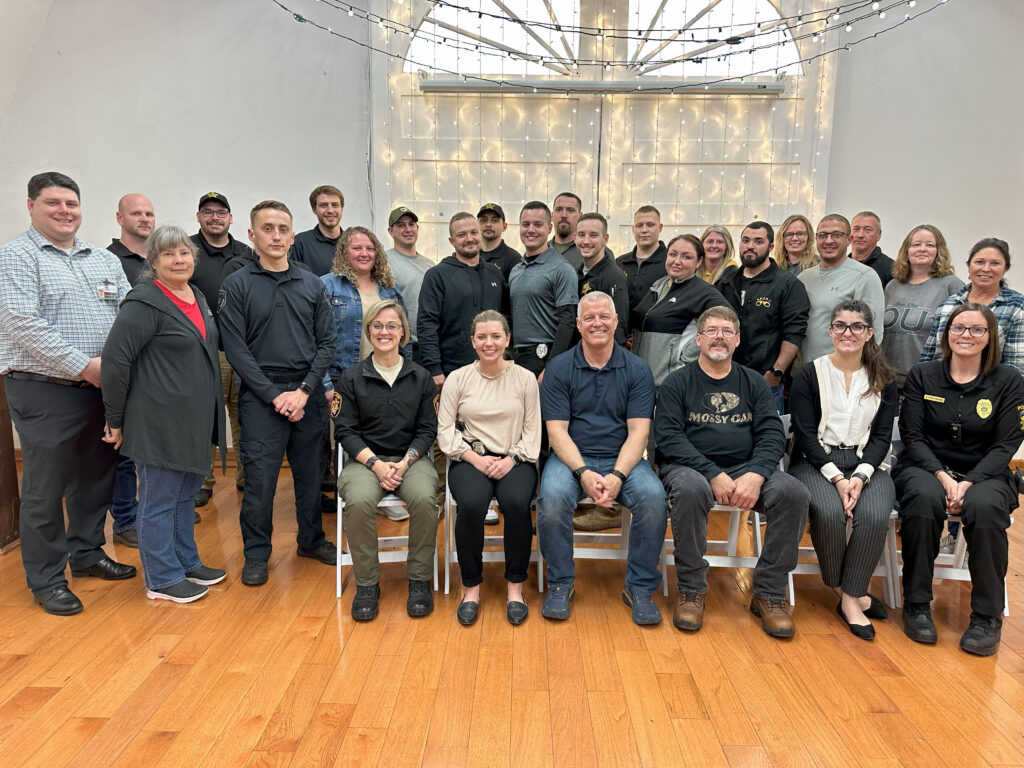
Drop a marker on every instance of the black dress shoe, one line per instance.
(467, 612)
(203, 496)
(254, 572)
(60, 601)
(877, 609)
(918, 624)
(863, 631)
(106, 569)
(516, 612)
(326, 553)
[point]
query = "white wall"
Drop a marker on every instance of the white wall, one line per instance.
(173, 99)
(928, 127)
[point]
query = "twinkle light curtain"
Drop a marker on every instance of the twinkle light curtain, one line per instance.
(714, 111)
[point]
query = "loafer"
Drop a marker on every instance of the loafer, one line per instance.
(420, 602)
(774, 615)
(863, 631)
(203, 496)
(128, 537)
(982, 636)
(556, 604)
(106, 569)
(183, 592)
(918, 624)
(254, 572)
(60, 601)
(877, 609)
(642, 606)
(467, 612)
(689, 613)
(326, 553)
(196, 518)
(206, 576)
(366, 603)
(516, 612)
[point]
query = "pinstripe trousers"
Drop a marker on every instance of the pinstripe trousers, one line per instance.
(847, 564)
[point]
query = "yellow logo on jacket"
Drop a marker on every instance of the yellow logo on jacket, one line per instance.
(984, 408)
(764, 301)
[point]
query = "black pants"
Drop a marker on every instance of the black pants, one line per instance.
(986, 516)
(527, 358)
(473, 492)
(266, 437)
(64, 457)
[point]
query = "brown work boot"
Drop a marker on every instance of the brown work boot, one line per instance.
(774, 615)
(598, 519)
(689, 613)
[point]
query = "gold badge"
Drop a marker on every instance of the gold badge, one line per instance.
(437, 401)
(984, 408)
(586, 288)
(336, 404)
(935, 398)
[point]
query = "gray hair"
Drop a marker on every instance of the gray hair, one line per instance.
(162, 238)
(592, 297)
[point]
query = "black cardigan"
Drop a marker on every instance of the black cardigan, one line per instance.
(161, 382)
(805, 407)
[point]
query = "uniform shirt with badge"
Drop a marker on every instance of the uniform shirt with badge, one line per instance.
(973, 429)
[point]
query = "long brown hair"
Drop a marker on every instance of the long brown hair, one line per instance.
(381, 271)
(939, 268)
(880, 375)
(992, 355)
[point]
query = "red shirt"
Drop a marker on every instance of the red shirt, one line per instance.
(192, 311)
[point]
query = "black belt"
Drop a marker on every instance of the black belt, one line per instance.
(25, 376)
(284, 378)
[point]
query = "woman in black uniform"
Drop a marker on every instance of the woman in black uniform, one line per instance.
(961, 423)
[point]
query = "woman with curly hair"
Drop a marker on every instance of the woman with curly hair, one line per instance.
(359, 278)
(794, 245)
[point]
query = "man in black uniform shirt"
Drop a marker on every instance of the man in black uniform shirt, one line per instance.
(565, 215)
(216, 248)
(494, 250)
(279, 334)
(598, 272)
(646, 262)
(136, 218)
(315, 247)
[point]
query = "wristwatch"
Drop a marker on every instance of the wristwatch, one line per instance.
(778, 373)
(304, 387)
(371, 461)
(862, 476)
(578, 472)
(516, 460)
(618, 474)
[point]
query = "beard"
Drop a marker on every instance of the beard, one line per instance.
(751, 261)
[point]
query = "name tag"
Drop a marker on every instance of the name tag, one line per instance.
(106, 290)
(935, 398)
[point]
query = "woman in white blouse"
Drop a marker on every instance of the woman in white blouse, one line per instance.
(488, 423)
(843, 405)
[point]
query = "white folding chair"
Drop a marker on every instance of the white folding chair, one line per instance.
(390, 549)
(492, 555)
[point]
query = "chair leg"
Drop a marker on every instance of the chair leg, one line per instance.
(339, 514)
(894, 560)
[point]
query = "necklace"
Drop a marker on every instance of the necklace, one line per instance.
(505, 366)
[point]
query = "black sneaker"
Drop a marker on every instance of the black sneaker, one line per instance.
(206, 576)
(326, 553)
(254, 572)
(182, 592)
(128, 537)
(420, 602)
(556, 604)
(982, 636)
(203, 496)
(918, 624)
(366, 602)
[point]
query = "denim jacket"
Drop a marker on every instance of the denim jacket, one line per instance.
(347, 308)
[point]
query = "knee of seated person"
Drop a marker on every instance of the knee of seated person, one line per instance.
(923, 500)
(686, 487)
(980, 512)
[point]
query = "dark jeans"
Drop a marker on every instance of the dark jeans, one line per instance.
(124, 508)
(473, 492)
(986, 516)
(63, 458)
(167, 541)
(784, 501)
(266, 437)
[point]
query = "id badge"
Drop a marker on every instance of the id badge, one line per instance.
(106, 290)
(542, 351)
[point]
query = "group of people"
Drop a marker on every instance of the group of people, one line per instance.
(562, 366)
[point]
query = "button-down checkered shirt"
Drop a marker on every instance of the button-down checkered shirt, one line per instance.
(56, 306)
(1008, 307)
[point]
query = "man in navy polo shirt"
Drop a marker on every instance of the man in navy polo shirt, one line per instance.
(599, 397)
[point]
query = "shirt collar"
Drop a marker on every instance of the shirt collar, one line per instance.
(79, 246)
(618, 358)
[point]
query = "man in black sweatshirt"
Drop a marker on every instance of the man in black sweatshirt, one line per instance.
(719, 440)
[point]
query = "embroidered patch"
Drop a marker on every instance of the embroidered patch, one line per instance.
(336, 404)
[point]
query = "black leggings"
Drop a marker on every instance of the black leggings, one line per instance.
(473, 492)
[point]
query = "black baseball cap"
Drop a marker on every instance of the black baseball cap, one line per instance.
(214, 197)
(491, 208)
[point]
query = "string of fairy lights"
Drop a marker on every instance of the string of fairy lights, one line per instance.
(701, 158)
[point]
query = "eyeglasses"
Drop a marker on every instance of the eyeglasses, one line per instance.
(976, 331)
(856, 329)
(389, 327)
(823, 236)
(714, 333)
(795, 236)
(206, 213)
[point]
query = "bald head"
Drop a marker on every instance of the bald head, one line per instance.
(136, 217)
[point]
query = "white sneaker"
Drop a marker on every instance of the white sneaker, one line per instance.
(947, 544)
(396, 513)
(491, 518)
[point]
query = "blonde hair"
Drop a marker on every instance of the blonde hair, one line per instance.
(374, 311)
(728, 260)
(381, 270)
(809, 254)
(940, 267)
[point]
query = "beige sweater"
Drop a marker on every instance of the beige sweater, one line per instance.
(503, 413)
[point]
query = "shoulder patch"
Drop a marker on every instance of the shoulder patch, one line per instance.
(336, 404)
(222, 299)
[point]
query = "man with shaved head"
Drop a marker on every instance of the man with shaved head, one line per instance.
(136, 217)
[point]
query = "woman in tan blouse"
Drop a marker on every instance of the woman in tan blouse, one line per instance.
(489, 426)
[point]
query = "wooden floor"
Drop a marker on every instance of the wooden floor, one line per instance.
(281, 676)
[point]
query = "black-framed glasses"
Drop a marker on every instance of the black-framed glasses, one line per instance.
(976, 331)
(725, 333)
(857, 329)
(206, 213)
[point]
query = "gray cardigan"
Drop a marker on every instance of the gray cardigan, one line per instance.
(161, 382)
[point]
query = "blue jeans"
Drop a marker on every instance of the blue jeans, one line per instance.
(642, 493)
(167, 542)
(124, 508)
(780, 401)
